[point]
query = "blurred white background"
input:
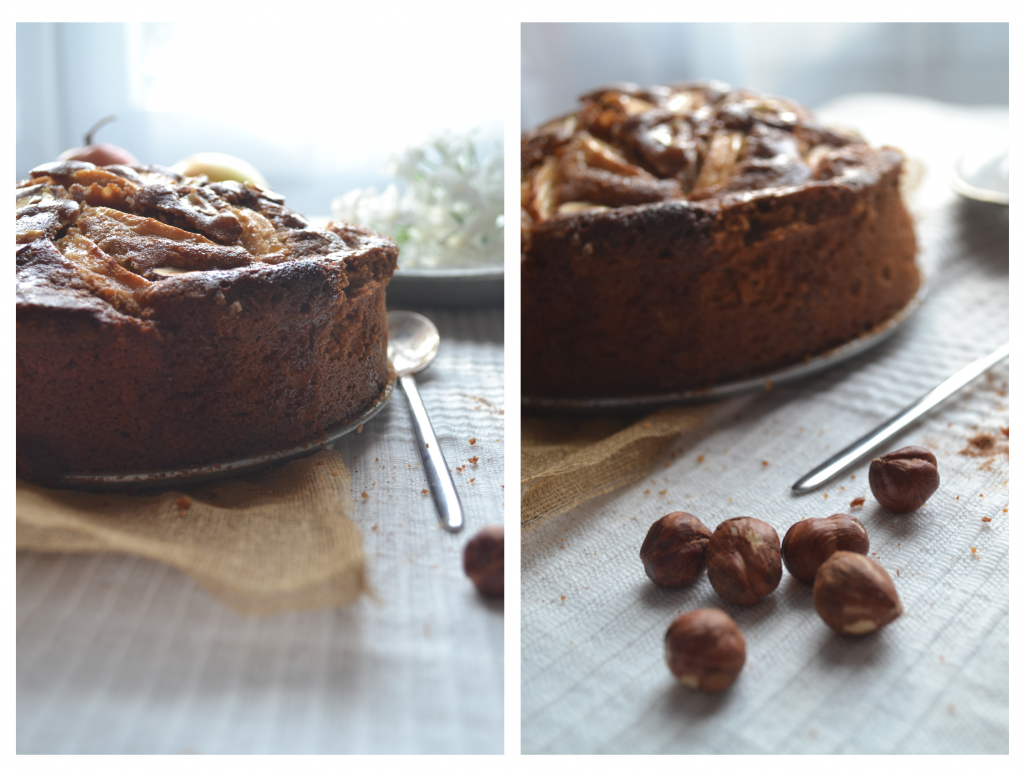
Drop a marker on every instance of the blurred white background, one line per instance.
(317, 107)
(810, 63)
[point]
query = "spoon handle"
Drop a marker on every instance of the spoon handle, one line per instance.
(850, 455)
(439, 477)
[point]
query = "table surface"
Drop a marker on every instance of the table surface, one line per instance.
(936, 680)
(118, 654)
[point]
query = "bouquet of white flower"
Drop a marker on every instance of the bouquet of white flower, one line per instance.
(451, 213)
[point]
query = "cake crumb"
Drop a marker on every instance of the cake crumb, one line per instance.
(663, 491)
(563, 596)
(473, 460)
(366, 496)
(985, 518)
(700, 459)
(236, 307)
(425, 491)
(471, 480)
(1005, 431)
(334, 472)
(856, 502)
(472, 441)
(359, 429)
(764, 463)
(183, 503)
(374, 528)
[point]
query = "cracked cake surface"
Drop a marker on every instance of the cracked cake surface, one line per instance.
(165, 321)
(679, 237)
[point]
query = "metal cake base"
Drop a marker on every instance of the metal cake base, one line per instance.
(795, 372)
(159, 479)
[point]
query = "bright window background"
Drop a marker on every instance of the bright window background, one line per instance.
(317, 108)
(810, 63)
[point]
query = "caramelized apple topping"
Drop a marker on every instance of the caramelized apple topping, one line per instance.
(627, 146)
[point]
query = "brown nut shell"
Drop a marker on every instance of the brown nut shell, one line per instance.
(705, 649)
(484, 560)
(810, 542)
(744, 560)
(674, 552)
(903, 480)
(854, 595)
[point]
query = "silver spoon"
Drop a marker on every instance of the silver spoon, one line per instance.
(413, 341)
(853, 453)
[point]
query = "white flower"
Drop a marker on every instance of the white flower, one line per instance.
(451, 213)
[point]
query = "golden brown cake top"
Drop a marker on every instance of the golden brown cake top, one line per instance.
(628, 145)
(121, 230)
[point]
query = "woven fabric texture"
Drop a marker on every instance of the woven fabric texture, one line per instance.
(568, 460)
(281, 539)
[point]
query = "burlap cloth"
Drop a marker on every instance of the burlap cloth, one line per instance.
(280, 539)
(567, 460)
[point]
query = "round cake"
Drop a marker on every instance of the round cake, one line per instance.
(675, 238)
(166, 322)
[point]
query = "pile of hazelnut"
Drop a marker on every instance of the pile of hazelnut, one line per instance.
(852, 593)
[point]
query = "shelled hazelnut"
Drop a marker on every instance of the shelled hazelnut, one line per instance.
(484, 560)
(810, 542)
(854, 595)
(674, 552)
(705, 649)
(903, 480)
(744, 560)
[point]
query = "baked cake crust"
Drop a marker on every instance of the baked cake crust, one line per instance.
(165, 322)
(675, 238)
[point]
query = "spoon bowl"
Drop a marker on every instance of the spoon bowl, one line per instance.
(413, 341)
(980, 175)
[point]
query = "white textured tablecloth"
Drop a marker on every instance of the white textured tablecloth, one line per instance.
(117, 654)
(936, 680)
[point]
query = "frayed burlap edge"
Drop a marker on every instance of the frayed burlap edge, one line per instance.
(566, 462)
(281, 539)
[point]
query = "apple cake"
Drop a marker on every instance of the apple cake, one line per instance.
(676, 238)
(166, 322)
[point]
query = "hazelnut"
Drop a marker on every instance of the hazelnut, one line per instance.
(854, 595)
(484, 560)
(705, 649)
(902, 481)
(674, 552)
(744, 561)
(810, 542)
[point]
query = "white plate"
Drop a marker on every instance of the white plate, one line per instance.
(159, 479)
(448, 287)
(981, 175)
(746, 386)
